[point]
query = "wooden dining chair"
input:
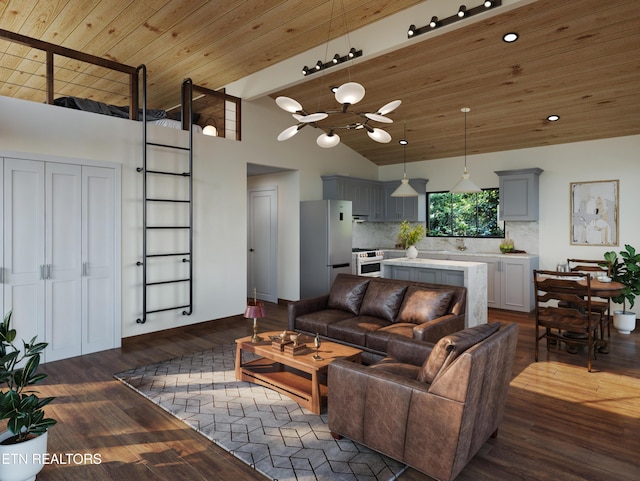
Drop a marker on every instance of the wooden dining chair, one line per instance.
(563, 311)
(601, 306)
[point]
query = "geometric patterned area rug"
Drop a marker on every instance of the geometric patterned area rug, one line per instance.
(268, 431)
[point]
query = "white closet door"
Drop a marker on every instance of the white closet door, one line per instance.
(2, 311)
(23, 252)
(63, 252)
(98, 248)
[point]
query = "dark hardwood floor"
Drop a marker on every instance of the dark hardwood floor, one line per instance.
(561, 423)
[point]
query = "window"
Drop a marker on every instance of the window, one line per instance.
(464, 215)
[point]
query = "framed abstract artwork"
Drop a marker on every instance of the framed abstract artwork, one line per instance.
(594, 213)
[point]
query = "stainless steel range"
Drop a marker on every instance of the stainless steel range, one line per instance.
(367, 262)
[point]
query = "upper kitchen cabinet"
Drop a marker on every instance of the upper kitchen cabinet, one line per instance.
(413, 209)
(372, 198)
(365, 195)
(519, 194)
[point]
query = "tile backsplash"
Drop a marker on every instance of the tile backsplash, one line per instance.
(385, 234)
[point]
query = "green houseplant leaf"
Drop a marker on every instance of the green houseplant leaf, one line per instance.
(625, 269)
(19, 404)
(410, 235)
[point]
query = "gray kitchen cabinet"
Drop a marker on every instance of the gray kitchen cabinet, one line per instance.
(412, 209)
(509, 280)
(364, 194)
(433, 276)
(519, 194)
(372, 199)
(517, 283)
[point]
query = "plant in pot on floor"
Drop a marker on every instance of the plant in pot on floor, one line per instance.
(410, 236)
(626, 270)
(24, 443)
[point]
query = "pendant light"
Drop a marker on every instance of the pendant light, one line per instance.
(404, 189)
(347, 95)
(465, 185)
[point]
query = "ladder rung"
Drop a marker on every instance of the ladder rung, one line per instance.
(168, 146)
(168, 227)
(170, 255)
(167, 309)
(167, 282)
(167, 200)
(164, 172)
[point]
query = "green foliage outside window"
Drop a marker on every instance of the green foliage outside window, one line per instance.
(464, 215)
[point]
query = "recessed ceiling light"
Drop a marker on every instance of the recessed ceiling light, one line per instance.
(553, 118)
(510, 37)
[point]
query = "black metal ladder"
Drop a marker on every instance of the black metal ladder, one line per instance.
(187, 255)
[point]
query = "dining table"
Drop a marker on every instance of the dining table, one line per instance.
(606, 290)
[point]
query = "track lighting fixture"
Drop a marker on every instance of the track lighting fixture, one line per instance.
(335, 60)
(463, 12)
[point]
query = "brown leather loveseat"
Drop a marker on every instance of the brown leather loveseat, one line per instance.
(429, 406)
(365, 312)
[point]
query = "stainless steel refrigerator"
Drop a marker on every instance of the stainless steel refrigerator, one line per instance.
(325, 244)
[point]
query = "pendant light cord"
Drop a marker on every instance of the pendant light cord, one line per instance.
(465, 110)
(405, 147)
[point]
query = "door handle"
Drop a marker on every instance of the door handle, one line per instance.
(85, 269)
(42, 275)
(48, 271)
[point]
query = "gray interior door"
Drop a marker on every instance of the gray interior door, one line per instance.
(262, 246)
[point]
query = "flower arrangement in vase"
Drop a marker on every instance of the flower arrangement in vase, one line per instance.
(409, 236)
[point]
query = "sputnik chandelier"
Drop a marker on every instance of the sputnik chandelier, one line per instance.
(347, 94)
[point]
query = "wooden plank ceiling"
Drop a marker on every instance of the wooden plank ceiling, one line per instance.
(579, 59)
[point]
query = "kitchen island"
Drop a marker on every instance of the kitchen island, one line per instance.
(472, 275)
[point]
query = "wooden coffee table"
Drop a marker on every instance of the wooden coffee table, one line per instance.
(298, 376)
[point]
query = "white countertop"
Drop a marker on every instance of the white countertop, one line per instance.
(431, 263)
(464, 253)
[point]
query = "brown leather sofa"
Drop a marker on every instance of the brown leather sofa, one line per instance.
(429, 406)
(365, 312)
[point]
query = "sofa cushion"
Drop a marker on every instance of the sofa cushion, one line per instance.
(377, 340)
(382, 300)
(450, 347)
(422, 305)
(317, 322)
(354, 330)
(347, 293)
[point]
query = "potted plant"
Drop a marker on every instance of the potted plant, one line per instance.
(410, 236)
(24, 443)
(626, 270)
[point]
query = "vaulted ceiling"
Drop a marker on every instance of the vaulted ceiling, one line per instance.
(579, 59)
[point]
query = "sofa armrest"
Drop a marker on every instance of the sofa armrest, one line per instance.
(433, 331)
(305, 306)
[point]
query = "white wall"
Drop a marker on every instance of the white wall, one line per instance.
(220, 186)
